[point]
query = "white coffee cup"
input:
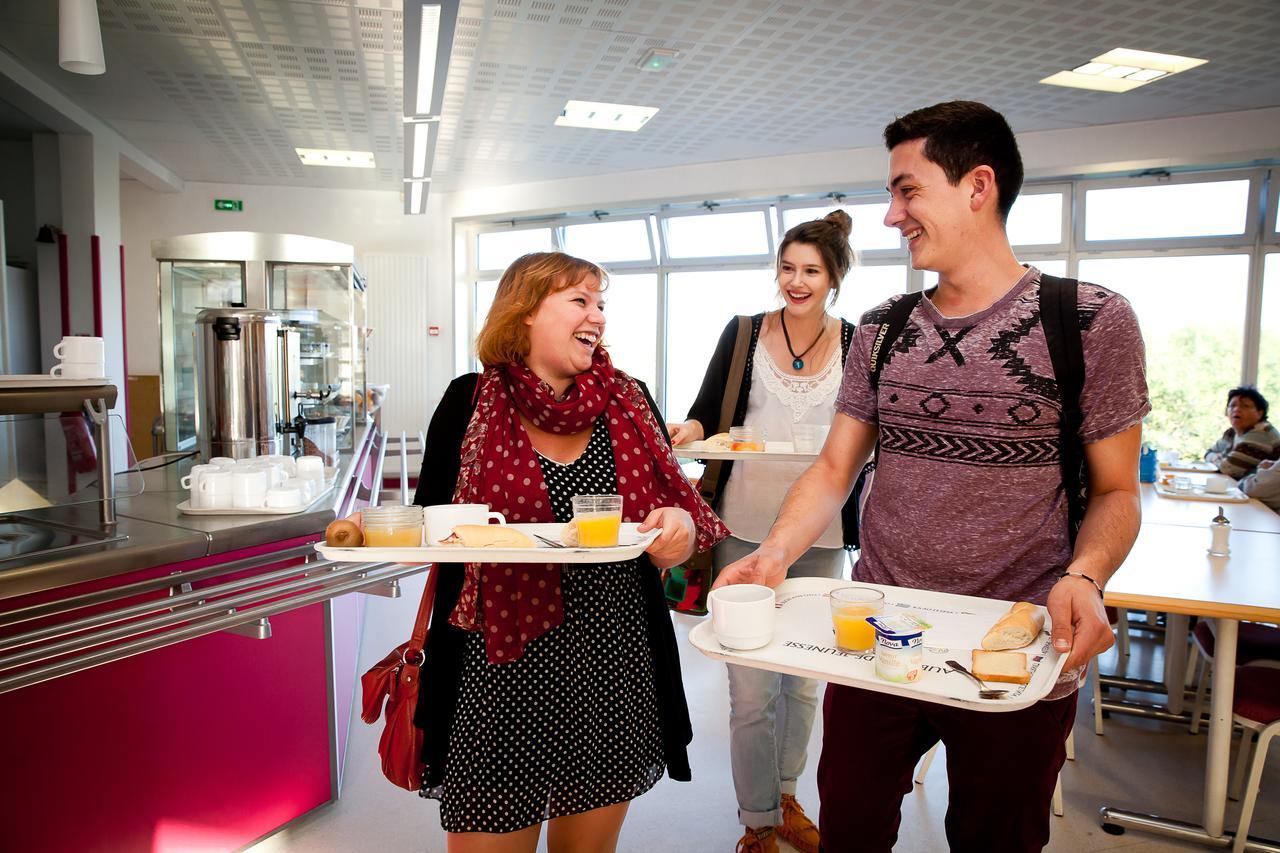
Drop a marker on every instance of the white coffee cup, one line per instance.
(224, 462)
(288, 463)
(191, 482)
(742, 615)
(216, 490)
(78, 370)
(275, 471)
(282, 498)
(80, 348)
(1217, 484)
(307, 487)
(249, 487)
(310, 468)
(442, 518)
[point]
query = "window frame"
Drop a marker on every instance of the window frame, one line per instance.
(718, 261)
(1255, 177)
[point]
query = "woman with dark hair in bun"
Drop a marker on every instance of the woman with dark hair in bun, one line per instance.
(793, 365)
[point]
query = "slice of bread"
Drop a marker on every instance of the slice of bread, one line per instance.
(489, 536)
(719, 441)
(1010, 667)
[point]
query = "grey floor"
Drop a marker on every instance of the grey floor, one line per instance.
(1138, 764)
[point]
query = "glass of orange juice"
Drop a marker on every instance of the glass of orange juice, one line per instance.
(850, 607)
(598, 518)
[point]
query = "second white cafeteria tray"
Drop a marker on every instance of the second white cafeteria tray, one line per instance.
(804, 644)
(631, 544)
(697, 450)
(1231, 496)
(1190, 467)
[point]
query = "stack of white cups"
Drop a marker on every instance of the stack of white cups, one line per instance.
(255, 484)
(79, 357)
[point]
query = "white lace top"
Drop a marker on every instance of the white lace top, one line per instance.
(775, 402)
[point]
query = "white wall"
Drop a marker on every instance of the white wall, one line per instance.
(373, 222)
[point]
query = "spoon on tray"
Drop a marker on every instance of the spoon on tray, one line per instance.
(984, 692)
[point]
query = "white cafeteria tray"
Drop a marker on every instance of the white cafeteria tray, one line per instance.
(804, 644)
(696, 450)
(631, 544)
(1231, 496)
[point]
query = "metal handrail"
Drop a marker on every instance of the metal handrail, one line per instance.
(52, 608)
(152, 642)
(404, 469)
(167, 604)
(174, 617)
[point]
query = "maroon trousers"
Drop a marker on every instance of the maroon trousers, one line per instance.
(1001, 767)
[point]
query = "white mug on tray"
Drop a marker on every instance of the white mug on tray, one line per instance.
(78, 370)
(1218, 484)
(80, 348)
(742, 615)
(442, 518)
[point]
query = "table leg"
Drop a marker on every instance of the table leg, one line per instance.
(1219, 749)
(1176, 627)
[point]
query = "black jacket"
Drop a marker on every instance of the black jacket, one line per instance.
(706, 408)
(442, 672)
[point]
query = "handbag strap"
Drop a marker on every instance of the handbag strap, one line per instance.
(709, 483)
(418, 641)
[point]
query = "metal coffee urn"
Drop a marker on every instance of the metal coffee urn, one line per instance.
(248, 376)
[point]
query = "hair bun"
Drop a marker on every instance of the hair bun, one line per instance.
(840, 220)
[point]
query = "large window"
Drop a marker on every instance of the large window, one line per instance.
(1191, 310)
(699, 305)
(1185, 249)
(1269, 346)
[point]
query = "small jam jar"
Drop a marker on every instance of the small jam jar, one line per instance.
(392, 526)
(899, 649)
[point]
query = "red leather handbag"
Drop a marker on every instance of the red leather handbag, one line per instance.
(394, 681)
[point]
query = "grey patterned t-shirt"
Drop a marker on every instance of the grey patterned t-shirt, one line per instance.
(967, 495)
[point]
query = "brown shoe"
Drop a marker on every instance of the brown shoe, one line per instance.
(797, 830)
(762, 840)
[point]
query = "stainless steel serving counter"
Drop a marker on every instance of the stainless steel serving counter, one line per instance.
(156, 534)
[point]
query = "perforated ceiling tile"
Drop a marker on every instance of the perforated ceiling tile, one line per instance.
(753, 77)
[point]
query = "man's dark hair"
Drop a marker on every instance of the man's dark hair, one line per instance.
(1249, 393)
(960, 136)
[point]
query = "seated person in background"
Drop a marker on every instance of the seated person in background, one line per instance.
(1250, 439)
(1264, 484)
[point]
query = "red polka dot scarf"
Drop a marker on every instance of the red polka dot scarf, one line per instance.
(514, 604)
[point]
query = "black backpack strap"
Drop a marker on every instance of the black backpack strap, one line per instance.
(1061, 322)
(895, 320)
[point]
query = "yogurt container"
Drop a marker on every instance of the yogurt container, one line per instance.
(899, 649)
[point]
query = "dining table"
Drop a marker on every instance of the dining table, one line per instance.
(1170, 570)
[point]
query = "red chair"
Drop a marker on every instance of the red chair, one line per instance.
(1256, 642)
(1257, 709)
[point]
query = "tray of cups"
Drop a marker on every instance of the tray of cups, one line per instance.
(260, 485)
(793, 629)
(470, 533)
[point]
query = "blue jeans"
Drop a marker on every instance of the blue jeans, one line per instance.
(771, 714)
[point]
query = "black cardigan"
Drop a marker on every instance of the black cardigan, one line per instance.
(706, 408)
(442, 672)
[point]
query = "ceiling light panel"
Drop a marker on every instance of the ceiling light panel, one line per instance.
(603, 116)
(1122, 69)
(341, 159)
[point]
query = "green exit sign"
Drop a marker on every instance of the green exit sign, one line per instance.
(228, 204)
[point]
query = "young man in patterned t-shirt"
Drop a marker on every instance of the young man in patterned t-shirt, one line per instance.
(968, 494)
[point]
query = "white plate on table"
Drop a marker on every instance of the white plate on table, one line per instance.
(804, 644)
(1198, 493)
(775, 451)
(631, 544)
(1190, 467)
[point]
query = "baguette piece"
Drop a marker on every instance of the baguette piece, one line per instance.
(1009, 667)
(1015, 629)
(488, 536)
(569, 534)
(719, 441)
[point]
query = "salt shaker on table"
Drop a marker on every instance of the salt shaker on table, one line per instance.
(1220, 528)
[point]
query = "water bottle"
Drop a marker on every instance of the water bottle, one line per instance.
(1147, 464)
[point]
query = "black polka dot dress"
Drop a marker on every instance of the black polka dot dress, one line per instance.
(573, 724)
